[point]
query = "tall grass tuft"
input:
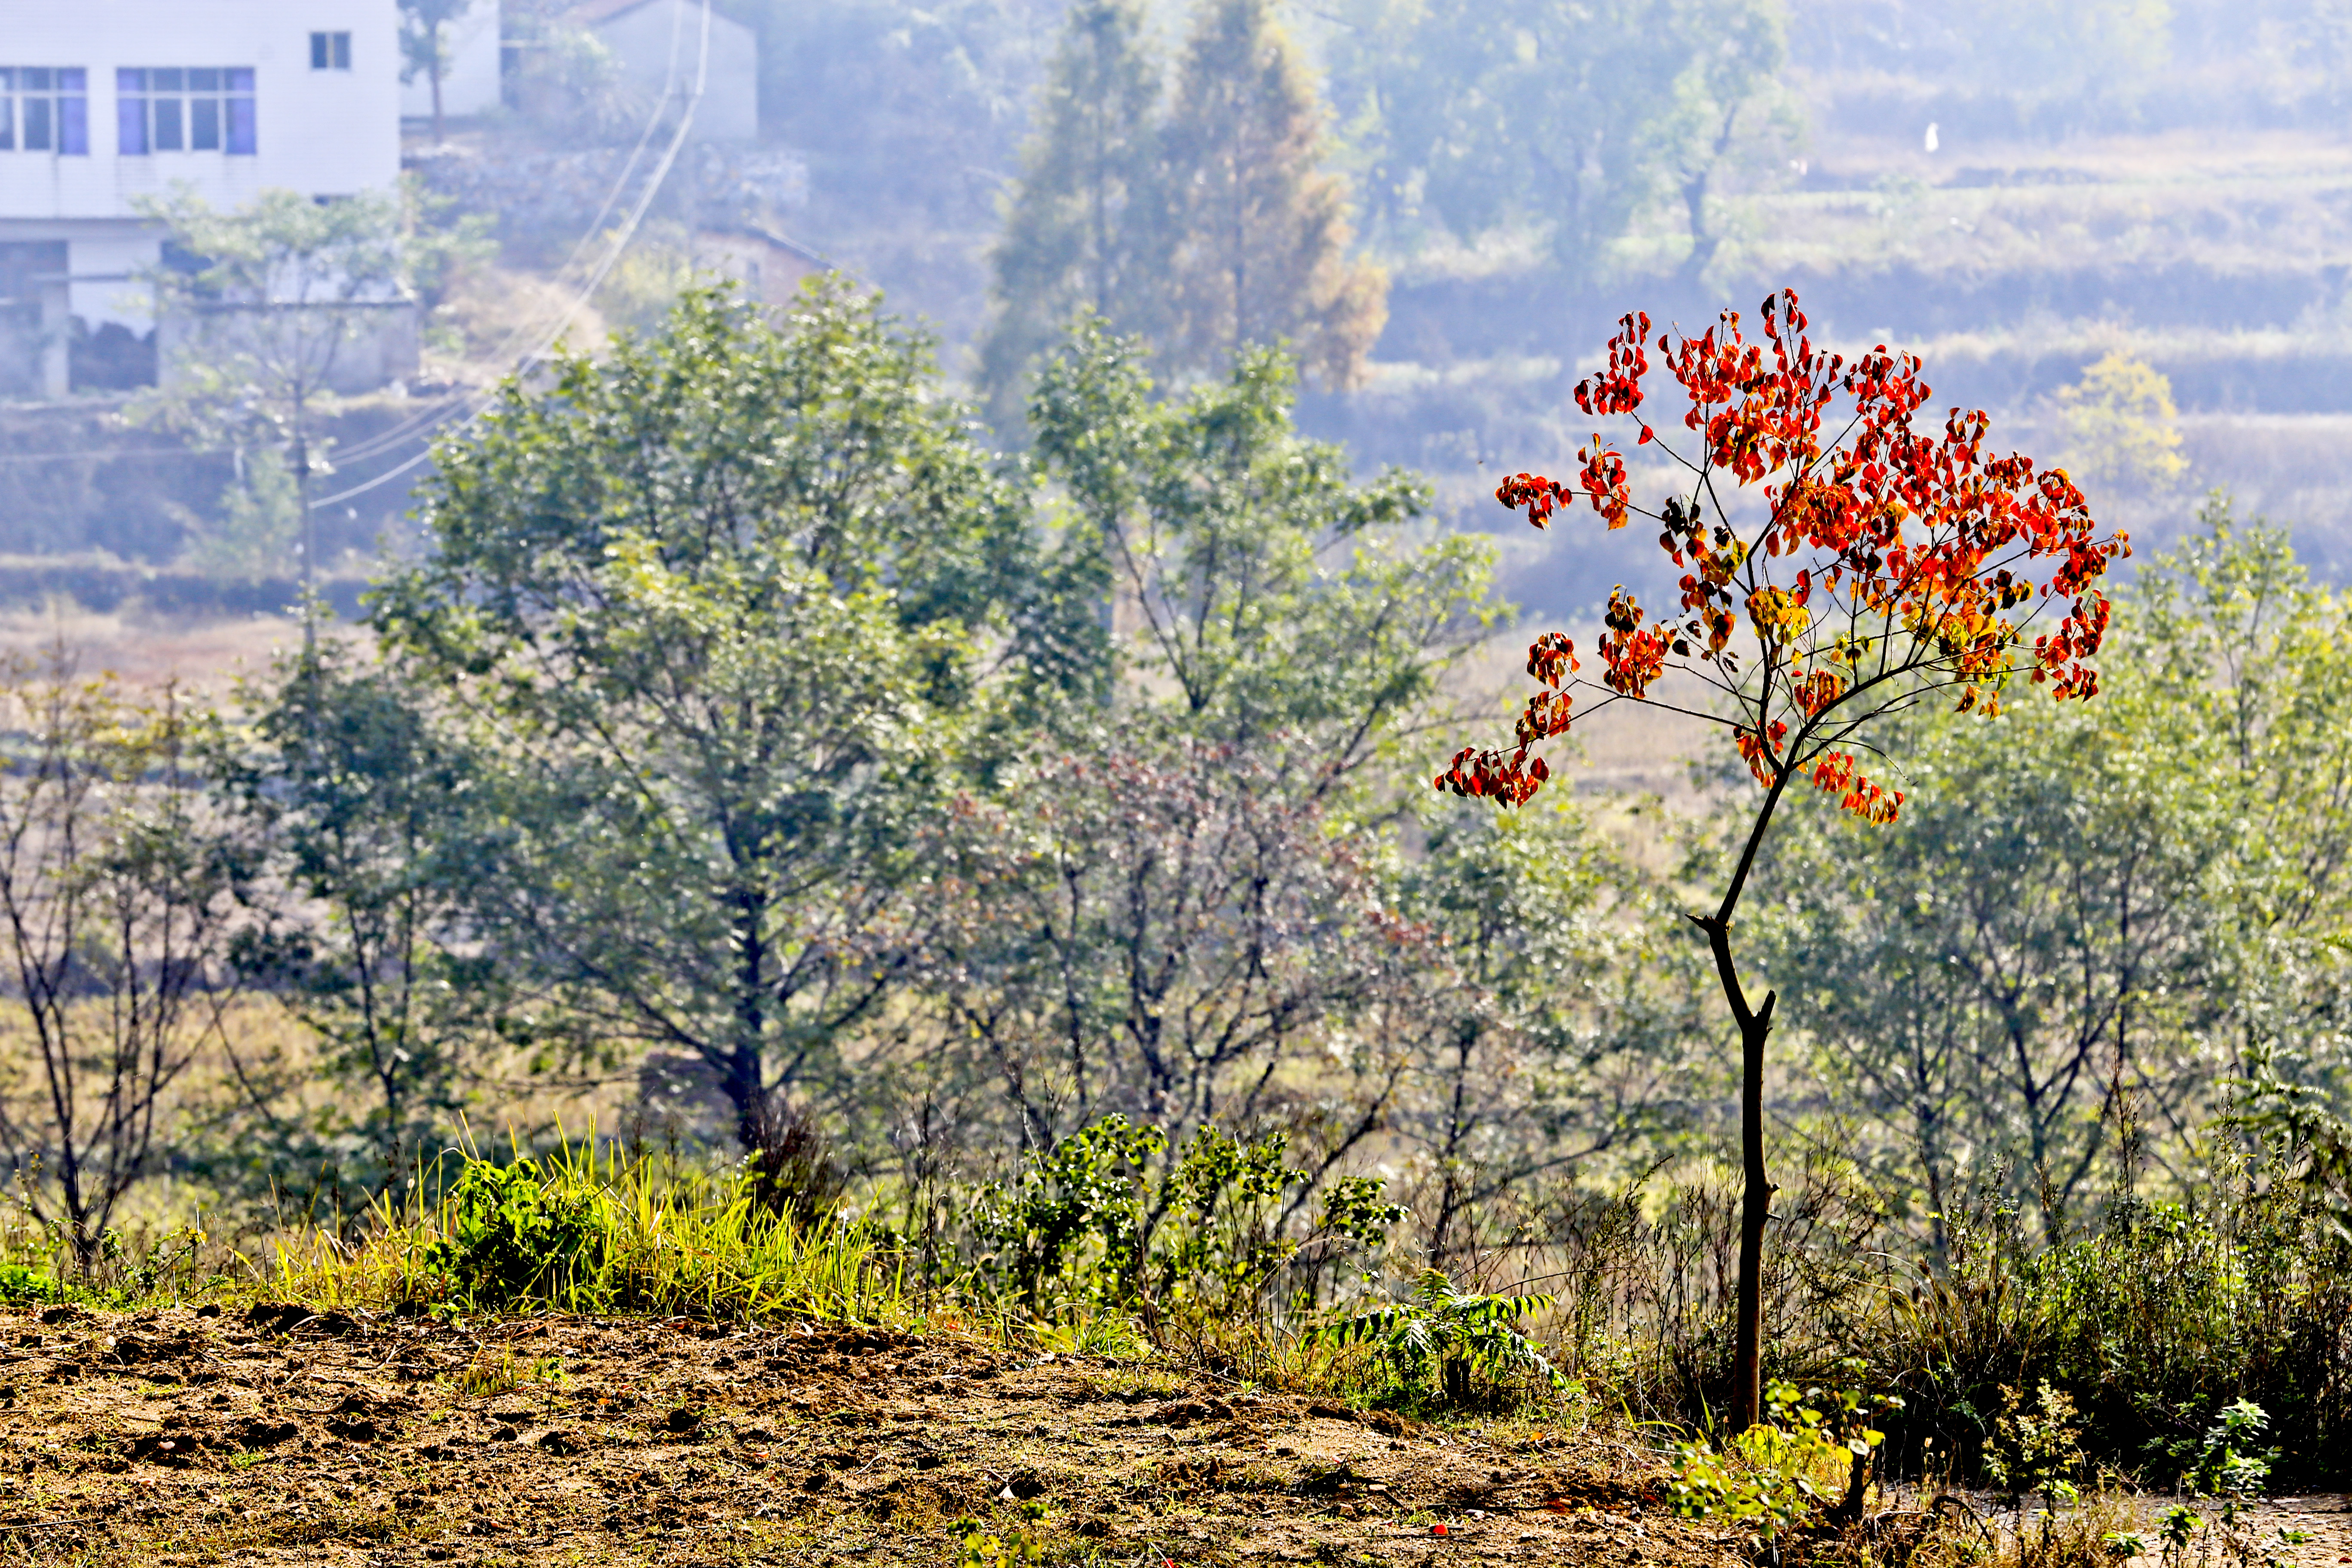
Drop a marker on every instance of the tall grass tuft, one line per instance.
(589, 1227)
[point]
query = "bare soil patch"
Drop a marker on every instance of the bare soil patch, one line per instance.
(278, 1436)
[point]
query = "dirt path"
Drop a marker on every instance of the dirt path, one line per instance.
(172, 1437)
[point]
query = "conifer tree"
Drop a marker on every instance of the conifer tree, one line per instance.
(1087, 226)
(1262, 229)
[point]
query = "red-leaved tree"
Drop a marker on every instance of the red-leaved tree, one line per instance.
(1841, 564)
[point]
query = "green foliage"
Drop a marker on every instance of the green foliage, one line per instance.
(1780, 1473)
(425, 44)
(2143, 1328)
(1273, 594)
(1211, 226)
(1559, 115)
(361, 808)
(1449, 1344)
(711, 612)
(978, 1546)
(21, 1285)
(274, 293)
(1087, 225)
(2224, 1472)
(1561, 1026)
(2122, 427)
(587, 1228)
(260, 522)
(509, 1238)
(1258, 248)
(2035, 960)
(1099, 1222)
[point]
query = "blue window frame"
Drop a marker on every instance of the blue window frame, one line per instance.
(184, 109)
(44, 108)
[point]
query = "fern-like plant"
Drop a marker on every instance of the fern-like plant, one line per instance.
(1447, 1341)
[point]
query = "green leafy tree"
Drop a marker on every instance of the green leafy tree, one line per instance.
(1087, 226)
(1262, 592)
(1262, 226)
(1988, 991)
(1568, 116)
(1172, 894)
(1551, 1024)
(714, 612)
(2045, 1006)
(361, 810)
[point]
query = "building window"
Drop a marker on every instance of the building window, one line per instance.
(199, 108)
(44, 110)
(330, 51)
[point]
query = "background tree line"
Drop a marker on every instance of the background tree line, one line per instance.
(750, 712)
(1217, 209)
(991, 834)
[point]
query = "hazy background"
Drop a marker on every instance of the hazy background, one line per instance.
(2166, 182)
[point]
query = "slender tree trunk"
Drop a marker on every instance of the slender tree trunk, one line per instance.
(746, 1082)
(1756, 1189)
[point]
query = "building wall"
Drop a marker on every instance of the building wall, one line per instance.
(322, 131)
(658, 44)
(471, 84)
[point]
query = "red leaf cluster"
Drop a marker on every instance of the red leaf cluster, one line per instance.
(1890, 560)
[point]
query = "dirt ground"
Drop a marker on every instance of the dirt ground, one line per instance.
(277, 1437)
(263, 1438)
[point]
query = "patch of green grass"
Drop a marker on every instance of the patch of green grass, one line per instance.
(589, 1229)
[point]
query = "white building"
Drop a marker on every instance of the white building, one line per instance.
(658, 46)
(104, 101)
(471, 83)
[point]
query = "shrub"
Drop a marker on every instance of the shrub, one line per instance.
(1812, 1445)
(583, 1229)
(1103, 1221)
(1449, 1343)
(510, 1237)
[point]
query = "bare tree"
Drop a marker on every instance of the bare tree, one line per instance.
(116, 902)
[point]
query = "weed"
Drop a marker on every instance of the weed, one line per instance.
(978, 1546)
(509, 1236)
(1449, 1344)
(1188, 1244)
(20, 1285)
(2224, 1472)
(2036, 1452)
(485, 1379)
(1780, 1473)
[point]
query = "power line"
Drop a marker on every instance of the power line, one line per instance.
(387, 440)
(603, 270)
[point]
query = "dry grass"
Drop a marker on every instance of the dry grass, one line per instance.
(206, 657)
